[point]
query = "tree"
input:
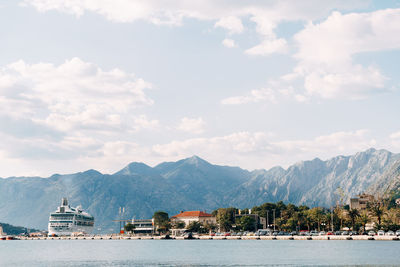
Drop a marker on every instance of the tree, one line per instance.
(179, 225)
(194, 226)
(353, 215)
(364, 219)
(390, 220)
(244, 211)
(377, 211)
(266, 211)
(209, 227)
(161, 221)
(129, 228)
(315, 215)
(247, 223)
(226, 218)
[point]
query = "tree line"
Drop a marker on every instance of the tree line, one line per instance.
(288, 217)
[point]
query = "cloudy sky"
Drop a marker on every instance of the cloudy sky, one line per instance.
(98, 84)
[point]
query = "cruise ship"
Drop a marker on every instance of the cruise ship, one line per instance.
(67, 221)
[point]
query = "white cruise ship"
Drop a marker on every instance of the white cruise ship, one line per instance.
(67, 221)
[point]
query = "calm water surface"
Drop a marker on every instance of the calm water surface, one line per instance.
(197, 252)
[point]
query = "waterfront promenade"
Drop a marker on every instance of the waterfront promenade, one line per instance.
(207, 237)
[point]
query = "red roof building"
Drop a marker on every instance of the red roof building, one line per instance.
(190, 216)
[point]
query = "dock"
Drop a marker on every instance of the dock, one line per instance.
(208, 237)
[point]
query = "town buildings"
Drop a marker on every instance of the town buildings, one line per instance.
(259, 222)
(361, 201)
(143, 226)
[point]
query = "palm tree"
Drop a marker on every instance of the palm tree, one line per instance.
(353, 214)
(307, 220)
(377, 211)
(364, 219)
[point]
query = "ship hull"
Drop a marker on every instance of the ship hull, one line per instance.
(70, 231)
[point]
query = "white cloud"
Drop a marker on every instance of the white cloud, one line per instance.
(395, 140)
(325, 58)
(70, 112)
(265, 94)
(192, 125)
(395, 135)
(232, 24)
(352, 83)
(75, 95)
(327, 49)
(267, 15)
(229, 43)
(340, 142)
(268, 47)
(340, 36)
(264, 150)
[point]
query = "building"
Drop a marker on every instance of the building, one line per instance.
(259, 222)
(194, 216)
(143, 226)
(361, 201)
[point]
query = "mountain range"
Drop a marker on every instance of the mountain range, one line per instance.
(195, 184)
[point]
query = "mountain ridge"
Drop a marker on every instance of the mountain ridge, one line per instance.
(191, 184)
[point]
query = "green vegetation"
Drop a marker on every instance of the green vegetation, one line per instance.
(161, 221)
(226, 218)
(194, 227)
(129, 228)
(16, 230)
(246, 223)
(289, 217)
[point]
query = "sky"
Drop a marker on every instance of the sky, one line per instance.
(98, 84)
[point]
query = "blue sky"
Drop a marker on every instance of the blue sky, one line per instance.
(99, 84)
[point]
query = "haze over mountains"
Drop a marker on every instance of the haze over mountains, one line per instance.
(195, 184)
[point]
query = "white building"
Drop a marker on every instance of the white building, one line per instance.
(194, 216)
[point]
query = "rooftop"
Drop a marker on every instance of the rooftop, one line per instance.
(192, 214)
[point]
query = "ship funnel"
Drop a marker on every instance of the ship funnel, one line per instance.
(64, 202)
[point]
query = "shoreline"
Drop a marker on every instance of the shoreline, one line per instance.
(207, 237)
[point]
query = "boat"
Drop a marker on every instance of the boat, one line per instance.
(2, 234)
(66, 221)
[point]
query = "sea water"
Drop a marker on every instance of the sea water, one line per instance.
(197, 252)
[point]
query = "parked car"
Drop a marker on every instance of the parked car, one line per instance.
(283, 233)
(371, 233)
(389, 233)
(338, 233)
(304, 233)
(262, 232)
(381, 232)
(330, 233)
(293, 233)
(398, 232)
(345, 233)
(322, 233)
(314, 233)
